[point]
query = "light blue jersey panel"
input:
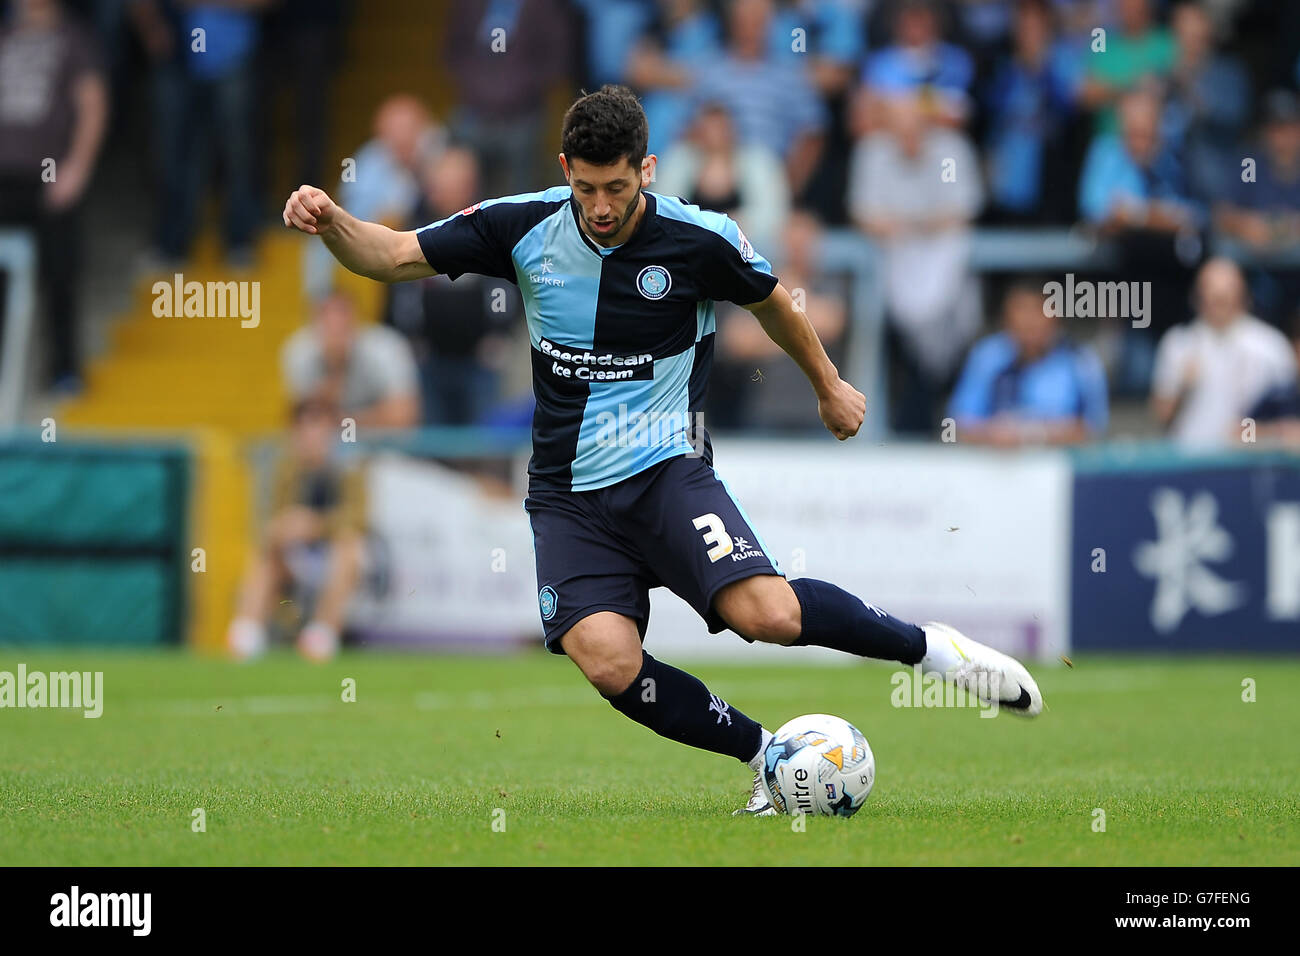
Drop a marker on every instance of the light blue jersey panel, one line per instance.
(630, 426)
(559, 279)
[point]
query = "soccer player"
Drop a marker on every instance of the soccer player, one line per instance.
(618, 286)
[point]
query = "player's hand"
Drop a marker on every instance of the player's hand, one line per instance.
(309, 210)
(842, 409)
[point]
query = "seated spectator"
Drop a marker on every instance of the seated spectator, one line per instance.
(1277, 413)
(1263, 211)
(382, 185)
(1029, 103)
(1209, 102)
(1139, 52)
(368, 373)
(772, 101)
(1210, 373)
(898, 197)
(917, 65)
(458, 331)
(1134, 180)
(53, 108)
(314, 539)
(753, 378)
(684, 32)
(1028, 384)
(713, 171)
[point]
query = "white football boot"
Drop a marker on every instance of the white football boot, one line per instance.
(980, 670)
(759, 804)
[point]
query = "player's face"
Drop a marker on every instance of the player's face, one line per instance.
(608, 197)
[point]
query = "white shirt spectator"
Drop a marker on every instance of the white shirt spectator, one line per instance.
(1224, 372)
(380, 367)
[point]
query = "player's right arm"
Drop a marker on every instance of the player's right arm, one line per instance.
(369, 249)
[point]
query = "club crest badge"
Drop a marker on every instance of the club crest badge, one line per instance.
(653, 282)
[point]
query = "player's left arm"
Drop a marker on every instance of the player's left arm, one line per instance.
(841, 406)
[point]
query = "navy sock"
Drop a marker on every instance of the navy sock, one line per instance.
(832, 617)
(678, 706)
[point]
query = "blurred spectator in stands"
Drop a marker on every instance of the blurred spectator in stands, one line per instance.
(1209, 102)
(1030, 103)
(1135, 180)
(505, 56)
(458, 331)
(1277, 413)
(368, 372)
(1262, 209)
(753, 379)
(1028, 384)
(205, 107)
(53, 113)
(918, 64)
(382, 184)
(1137, 51)
(747, 182)
(1134, 191)
(771, 99)
(612, 30)
(306, 36)
(682, 33)
(901, 197)
(314, 540)
(827, 38)
(1211, 372)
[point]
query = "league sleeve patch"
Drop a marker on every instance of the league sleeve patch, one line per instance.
(746, 249)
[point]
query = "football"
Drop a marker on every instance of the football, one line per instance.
(820, 765)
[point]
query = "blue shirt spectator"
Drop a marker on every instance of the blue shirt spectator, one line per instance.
(832, 29)
(1135, 179)
(1028, 384)
(919, 61)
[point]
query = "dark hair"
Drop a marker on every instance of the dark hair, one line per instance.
(604, 127)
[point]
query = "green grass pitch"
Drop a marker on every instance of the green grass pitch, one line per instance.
(416, 770)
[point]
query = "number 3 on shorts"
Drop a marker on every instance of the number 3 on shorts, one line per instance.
(715, 534)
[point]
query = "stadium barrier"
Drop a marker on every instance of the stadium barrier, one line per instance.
(1038, 552)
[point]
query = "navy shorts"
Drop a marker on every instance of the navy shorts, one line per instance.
(674, 525)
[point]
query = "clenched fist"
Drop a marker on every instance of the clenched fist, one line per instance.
(310, 210)
(842, 409)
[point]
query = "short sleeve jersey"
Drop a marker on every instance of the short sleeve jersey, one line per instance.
(622, 337)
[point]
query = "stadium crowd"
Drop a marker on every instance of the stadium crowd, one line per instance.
(1169, 131)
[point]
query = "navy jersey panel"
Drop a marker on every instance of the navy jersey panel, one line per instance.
(622, 338)
(673, 525)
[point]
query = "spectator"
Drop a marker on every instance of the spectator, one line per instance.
(1139, 51)
(1211, 372)
(205, 105)
(1277, 413)
(1028, 384)
(1133, 190)
(504, 59)
(1029, 103)
(1135, 180)
(368, 373)
(771, 101)
(53, 107)
(458, 331)
(315, 539)
(383, 184)
(684, 32)
(1263, 209)
(1209, 96)
(712, 171)
(900, 197)
(753, 379)
(918, 65)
